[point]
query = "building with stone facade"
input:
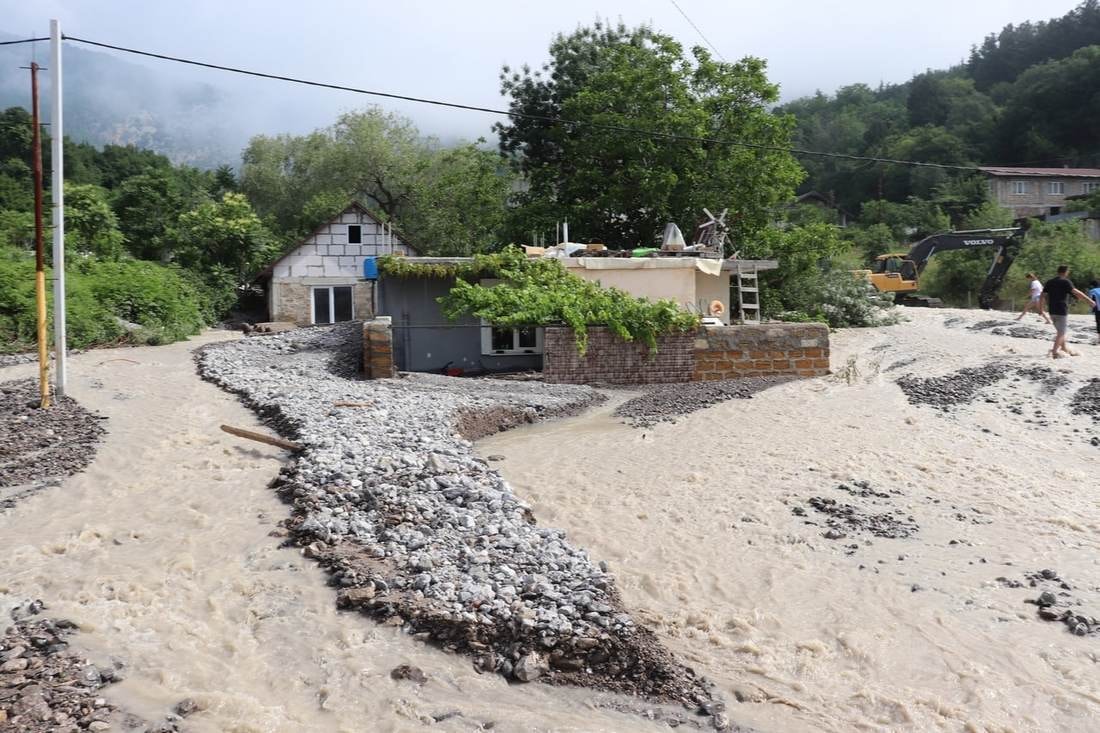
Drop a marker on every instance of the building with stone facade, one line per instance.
(320, 279)
(1039, 192)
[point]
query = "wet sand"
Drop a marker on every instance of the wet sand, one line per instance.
(706, 525)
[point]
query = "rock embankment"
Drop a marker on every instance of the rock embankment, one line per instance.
(415, 529)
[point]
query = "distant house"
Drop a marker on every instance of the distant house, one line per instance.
(425, 340)
(320, 279)
(1039, 192)
(813, 198)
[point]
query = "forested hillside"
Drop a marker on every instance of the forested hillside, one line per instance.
(1026, 96)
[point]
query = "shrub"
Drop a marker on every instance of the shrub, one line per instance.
(842, 300)
(103, 298)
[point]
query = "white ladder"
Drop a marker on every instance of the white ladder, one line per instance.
(748, 283)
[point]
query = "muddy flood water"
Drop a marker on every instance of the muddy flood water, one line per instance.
(161, 552)
(729, 534)
(722, 530)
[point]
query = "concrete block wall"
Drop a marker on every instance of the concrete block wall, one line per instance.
(378, 348)
(609, 360)
(729, 352)
(710, 354)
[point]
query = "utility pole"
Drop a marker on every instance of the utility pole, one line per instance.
(39, 260)
(57, 189)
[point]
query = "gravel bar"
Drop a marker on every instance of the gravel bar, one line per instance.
(667, 402)
(36, 445)
(416, 529)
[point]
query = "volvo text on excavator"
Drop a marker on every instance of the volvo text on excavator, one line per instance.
(899, 272)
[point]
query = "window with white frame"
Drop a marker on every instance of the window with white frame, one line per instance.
(355, 233)
(330, 304)
(1021, 187)
(1056, 188)
(1091, 187)
(504, 341)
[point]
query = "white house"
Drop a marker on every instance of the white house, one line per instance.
(320, 279)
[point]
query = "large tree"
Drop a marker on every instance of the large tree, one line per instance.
(621, 132)
(446, 200)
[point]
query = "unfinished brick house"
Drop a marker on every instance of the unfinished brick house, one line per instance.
(320, 279)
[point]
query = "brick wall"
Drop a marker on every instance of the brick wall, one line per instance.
(610, 360)
(712, 353)
(378, 348)
(729, 352)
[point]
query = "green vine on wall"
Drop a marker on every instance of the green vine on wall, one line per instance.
(541, 292)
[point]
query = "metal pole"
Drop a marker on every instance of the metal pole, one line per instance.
(39, 260)
(57, 191)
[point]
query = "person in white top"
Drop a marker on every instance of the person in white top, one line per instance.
(1035, 298)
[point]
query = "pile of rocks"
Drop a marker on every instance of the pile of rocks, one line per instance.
(666, 402)
(44, 687)
(1016, 329)
(416, 529)
(951, 390)
(1049, 380)
(1077, 623)
(37, 445)
(1086, 401)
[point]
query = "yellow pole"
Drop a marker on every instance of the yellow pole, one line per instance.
(39, 265)
(43, 354)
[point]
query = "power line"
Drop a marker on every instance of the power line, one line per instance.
(524, 115)
(697, 29)
(24, 40)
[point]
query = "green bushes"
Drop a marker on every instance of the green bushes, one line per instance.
(841, 300)
(108, 302)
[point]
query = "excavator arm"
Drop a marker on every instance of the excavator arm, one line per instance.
(1004, 242)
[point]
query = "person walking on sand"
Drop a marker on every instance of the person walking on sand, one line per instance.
(1094, 293)
(1056, 292)
(1035, 298)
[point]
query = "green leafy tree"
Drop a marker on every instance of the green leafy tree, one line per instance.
(446, 200)
(461, 201)
(909, 221)
(803, 253)
(91, 227)
(16, 229)
(1053, 109)
(225, 239)
(148, 206)
(622, 188)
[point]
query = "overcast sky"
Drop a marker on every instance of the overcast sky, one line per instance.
(454, 50)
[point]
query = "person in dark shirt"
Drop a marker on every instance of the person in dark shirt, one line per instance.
(1094, 293)
(1056, 292)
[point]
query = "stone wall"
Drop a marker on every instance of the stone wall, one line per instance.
(290, 303)
(729, 352)
(610, 360)
(712, 353)
(378, 348)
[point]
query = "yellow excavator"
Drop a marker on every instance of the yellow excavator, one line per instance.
(899, 272)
